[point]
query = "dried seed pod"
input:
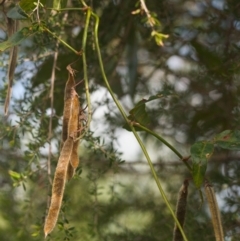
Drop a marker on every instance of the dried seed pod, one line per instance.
(70, 127)
(215, 213)
(181, 210)
(67, 102)
(58, 186)
(74, 114)
(73, 131)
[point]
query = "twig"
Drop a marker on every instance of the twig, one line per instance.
(145, 9)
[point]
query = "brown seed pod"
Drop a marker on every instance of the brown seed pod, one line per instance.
(74, 114)
(58, 186)
(215, 213)
(70, 127)
(181, 210)
(73, 131)
(67, 102)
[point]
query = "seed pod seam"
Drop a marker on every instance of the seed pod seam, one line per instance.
(67, 102)
(215, 213)
(74, 132)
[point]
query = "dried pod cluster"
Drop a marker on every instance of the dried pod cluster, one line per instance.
(68, 160)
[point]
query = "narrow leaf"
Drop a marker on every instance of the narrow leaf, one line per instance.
(229, 140)
(200, 153)
(18, 37)
(17, 13)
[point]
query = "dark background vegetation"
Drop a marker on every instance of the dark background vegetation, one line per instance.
(110, 199)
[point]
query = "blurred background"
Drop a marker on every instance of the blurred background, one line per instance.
(113, 195)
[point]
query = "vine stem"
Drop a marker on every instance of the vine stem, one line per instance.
(164, 142)
(132, 128)
(62, 41)
(85, 73)
(66, 9)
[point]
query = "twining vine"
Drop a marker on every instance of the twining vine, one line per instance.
(73, 129)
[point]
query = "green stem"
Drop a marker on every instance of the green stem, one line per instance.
(160, 139)
(85, 73)
(102, 68)
(132, 128)
(159, 185)
(63, 42)
(66, 9)
(164, 142)
(84, 4)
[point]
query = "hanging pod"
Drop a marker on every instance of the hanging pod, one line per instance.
(58, 186)
(68, 160)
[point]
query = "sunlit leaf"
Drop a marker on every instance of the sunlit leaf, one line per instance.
(229, 140)
(14, 175)
(200, 153)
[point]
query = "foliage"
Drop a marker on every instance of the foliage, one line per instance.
(130, 50)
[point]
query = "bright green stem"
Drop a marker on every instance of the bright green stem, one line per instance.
(67, 9)
(102, 68)
(160, 139)
(159, 185)
(85, 73)
(63, 42)
(132, 128)
(164, 142)
(84, 4)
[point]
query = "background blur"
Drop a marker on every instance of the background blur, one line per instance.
(113, 195)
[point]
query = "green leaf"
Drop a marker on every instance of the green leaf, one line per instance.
(27, 5)
(200, 153)
(229, 140)
(14, 175)
(17, 13)
(18, 37)
(139, 115)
